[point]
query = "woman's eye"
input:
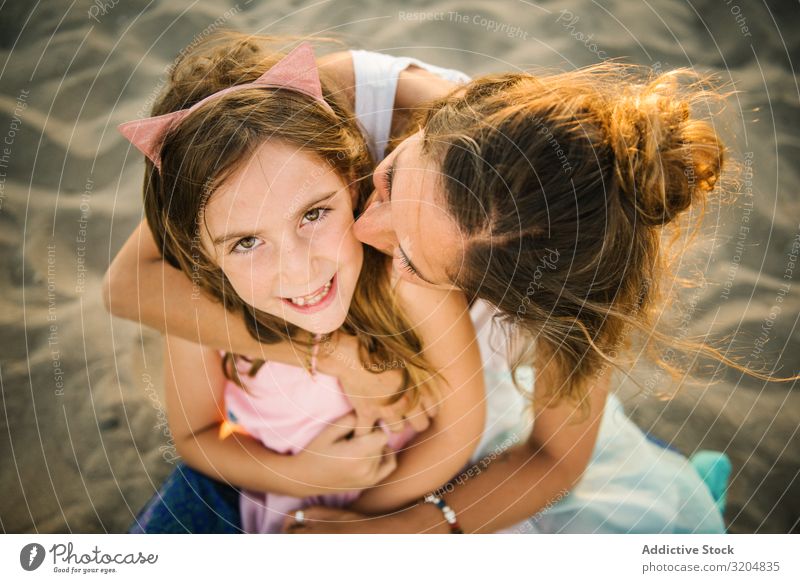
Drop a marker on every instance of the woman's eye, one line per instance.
(244, 245)
(406, 264)
(315, 215)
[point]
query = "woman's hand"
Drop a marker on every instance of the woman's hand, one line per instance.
(338, 460)
(368, 390)
(324, 520)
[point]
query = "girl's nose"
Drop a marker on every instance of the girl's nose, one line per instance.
(295, 268)
(374, 227)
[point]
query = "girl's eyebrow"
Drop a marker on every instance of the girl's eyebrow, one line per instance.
(220, 239)
(301, 210)
(228, 236)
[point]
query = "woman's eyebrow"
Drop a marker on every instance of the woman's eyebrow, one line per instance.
(390, 172)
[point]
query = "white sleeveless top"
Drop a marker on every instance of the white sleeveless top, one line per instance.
(376, 84)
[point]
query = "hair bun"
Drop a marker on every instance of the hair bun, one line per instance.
(665, 160)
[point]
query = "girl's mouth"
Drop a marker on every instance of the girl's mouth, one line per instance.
(315, 301)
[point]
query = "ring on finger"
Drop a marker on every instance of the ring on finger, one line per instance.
(299, 517)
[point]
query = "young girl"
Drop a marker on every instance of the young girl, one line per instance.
(256, 174)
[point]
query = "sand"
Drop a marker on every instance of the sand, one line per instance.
(83, 441)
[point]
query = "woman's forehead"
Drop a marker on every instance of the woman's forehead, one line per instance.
(425, 231)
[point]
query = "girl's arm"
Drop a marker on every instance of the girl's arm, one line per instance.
(499, 494)
(195, 386)
(443, 322)
(140, 286)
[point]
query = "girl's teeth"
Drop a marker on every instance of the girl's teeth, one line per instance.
(311, 300)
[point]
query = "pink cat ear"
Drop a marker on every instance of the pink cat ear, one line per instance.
(296, 71)
(146, 134)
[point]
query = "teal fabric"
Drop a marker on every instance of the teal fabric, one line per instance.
(714, 468)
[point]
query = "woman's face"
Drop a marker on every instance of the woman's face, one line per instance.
(280, 228)
(407, 220)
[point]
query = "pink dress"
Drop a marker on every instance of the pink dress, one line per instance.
(285, 408)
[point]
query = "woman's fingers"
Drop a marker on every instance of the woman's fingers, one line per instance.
(396, 415)
(367, 417)
(393, 416)
(371, 445)
(386, 465)
(338, 429)
(430, 404)
(418, 419)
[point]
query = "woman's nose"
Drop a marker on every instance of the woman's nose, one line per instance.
(374, 227)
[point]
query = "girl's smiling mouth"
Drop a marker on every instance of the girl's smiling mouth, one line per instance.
(315, 301)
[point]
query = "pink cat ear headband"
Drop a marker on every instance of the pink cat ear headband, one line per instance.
(297, 71)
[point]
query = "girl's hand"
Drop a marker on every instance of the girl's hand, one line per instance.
(367, 390)
(337, 459)
(324, 520)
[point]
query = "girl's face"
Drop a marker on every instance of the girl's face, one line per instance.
(280, 228)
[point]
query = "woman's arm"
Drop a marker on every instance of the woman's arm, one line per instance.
(513, 487)
(443, 323)
(415, 87)
(195, 385)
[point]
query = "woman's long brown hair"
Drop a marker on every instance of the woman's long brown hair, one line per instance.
(567, 188)
(209, 145)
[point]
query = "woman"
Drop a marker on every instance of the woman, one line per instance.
(490, 198)
(548, 197)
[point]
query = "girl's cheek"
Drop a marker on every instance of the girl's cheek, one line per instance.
(247, 282)
(340, 238)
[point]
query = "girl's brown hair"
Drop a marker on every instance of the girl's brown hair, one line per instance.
(210, 144)
(564, 186)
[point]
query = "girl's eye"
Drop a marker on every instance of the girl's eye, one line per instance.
(315, 215)
(245, 245)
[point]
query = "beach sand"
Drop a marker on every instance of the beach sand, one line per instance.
(84, 436)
